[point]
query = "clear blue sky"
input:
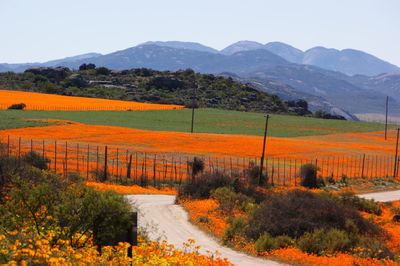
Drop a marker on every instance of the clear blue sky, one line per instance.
(40, 30)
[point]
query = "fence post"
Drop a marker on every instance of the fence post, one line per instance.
(97, 163)
(362, 166)
(66, 158)
(19, 149)
(105, 162)
(396, 154)
(117, 163)
(43, 149)
(55, 156)
(8, 146)
(77, 157)
(128, 171)
(87, 162)
(154, 170)
(295, 173)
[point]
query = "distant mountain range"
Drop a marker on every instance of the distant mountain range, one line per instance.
(347, 81)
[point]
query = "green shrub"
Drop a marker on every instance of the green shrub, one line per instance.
(344, 179)
(204, 219)
(320, 182)
(324, 242)
(331, 180)
(308, 173)
(202, 186)
(296, 212)
(236, 227)
(17, 106)
(77, 209)
(366, 205)
(372, 248)
(197, 166)
(36, 160)
(228, 199)
(283, 241)
(253, 173)
(265, 243)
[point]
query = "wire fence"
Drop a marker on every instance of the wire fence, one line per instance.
(122, 165)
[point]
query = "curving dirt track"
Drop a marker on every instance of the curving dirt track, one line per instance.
(166, 220)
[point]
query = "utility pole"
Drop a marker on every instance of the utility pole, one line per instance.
(193, 107)
(263, 148)
(386, 118)
(396, 154)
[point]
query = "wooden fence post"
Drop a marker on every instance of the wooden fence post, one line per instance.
(77, 157)
(97, 163)
(396, 154)
(154, 170)
(8, 146)
(128, 171)
(43, 155)
(19, 149)
(362, 166)
(87, 162)
(105, 162)
(66, 158)
(117, 162)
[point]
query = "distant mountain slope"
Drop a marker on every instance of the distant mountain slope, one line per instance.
(285, 51)
(335, 92)
(241, 46)
(184, 45)
(87, 56)
(67, 61)
(348, 61)
(167, 58)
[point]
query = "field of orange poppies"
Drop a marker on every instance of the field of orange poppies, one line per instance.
(350, 154)
(41, 101)
(371, 143)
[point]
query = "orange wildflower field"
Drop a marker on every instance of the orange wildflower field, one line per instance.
(371, 143)
(41, 101)
(335, 154)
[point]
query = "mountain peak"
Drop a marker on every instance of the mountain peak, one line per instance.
(182, 45)
(285, 51)
(241, 46)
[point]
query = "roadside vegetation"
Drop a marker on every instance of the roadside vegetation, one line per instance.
(301, 225)
(46, 219)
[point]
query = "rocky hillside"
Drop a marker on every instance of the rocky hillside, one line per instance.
(145, 85)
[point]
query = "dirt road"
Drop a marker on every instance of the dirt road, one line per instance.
(382, 196)
(165, 220)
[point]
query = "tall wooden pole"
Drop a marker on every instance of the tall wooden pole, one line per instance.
(263, 148)
(386, 117)
(396, 154)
